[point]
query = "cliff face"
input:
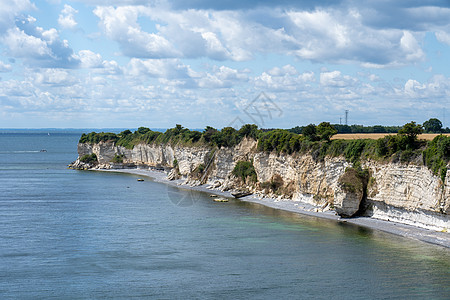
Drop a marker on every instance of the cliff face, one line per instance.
(404, 193)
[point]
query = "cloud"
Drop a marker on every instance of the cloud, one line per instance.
(285, 78)
(161, 65)
(341, 37)
(325, 33)
(67, 17)
(10, 9)
(5, 67)
(404, 15)
(411, 47)
(443, 37)
(222, 77)
(336, 79)
(120, 24)
(111, 68)
(89, 59)
(245, 5)
(54, 77)
(167, 68)
(436, 88)
(38, 47)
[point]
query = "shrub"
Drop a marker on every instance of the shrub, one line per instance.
(227, 137)
(245, 170)
(198, 171)
(354, 179)
(437, 155)
(118, 158)
(325, 131)
(411, 131)
(94, 138)
(89, 158)
(279, 140)
(354, 149)
(310, 132)
(249, 130)
(407, 155)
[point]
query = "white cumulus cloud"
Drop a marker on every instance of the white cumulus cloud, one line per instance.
(38, 47)
(120, 24)
(67, 17)
(336, 79)
(90, 59)
(56, 77)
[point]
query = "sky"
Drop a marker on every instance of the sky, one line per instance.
(131, 63)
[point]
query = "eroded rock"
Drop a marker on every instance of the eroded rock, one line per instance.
(349, 193)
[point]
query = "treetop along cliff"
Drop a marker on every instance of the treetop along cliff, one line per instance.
(404, 147)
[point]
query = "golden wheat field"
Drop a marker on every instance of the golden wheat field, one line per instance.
(375, 136)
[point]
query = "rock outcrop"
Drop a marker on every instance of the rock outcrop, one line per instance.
(349, 193)
(405, 193)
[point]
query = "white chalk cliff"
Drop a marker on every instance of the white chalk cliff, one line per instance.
(405, 193)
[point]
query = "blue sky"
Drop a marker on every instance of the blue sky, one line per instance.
(130, 63)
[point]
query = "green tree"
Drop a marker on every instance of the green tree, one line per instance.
(433, 125)
(209, 133)
(325, 131)
(410, 131)
(249, 130)
(296, 129)
(126, 132)
(310, 132)
(143, 130)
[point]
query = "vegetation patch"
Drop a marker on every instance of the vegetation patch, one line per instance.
(95, 138)
(118, 159)
(89, 158)
(227, 137)
(354, 180)
(437, 155)
(245, 171)
(197, 173)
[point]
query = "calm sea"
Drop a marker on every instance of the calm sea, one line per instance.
(68, 234)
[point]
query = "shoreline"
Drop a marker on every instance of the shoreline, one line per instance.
(417, 233)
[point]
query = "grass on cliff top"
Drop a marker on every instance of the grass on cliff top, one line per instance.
(376, 136)
(227, 137)
(434, 154)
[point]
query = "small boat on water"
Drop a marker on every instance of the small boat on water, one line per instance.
(43, 150)
(140, 179)
(220, 200)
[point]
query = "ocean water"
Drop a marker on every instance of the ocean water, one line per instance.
(67, 234)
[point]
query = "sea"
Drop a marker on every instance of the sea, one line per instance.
(67, 234)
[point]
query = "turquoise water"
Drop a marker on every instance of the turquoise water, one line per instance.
(68, 234)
